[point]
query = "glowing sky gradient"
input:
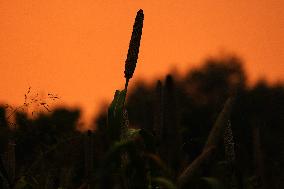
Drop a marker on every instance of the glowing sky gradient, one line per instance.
(77, 48)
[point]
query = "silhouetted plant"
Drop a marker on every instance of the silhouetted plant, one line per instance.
(134, 45)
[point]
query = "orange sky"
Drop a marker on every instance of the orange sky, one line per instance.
(77, 49)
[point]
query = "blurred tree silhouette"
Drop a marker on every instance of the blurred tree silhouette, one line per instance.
(4, 129)
(215, 80)
(45, 130)
(46, 145)
(199, 96)
(3, 120)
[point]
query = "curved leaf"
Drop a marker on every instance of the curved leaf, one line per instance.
(115, 115)
(212, 182)
(164, 182)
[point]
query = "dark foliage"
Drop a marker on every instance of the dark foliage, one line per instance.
(191, 105)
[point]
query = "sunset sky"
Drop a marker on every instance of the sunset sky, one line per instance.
(77, 49)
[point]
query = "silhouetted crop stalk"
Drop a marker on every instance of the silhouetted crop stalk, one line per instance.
(230, 154)
(124, 137)
(89, 154)
(134, 45)
(124, 157)
(119, 136)
(229, 143)
(10, 161)
(124, 125)
(6, 183)
(116, 109)
(171, 136)
(159, 113)
(258, 156)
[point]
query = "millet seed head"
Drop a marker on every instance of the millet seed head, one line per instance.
(134, 45)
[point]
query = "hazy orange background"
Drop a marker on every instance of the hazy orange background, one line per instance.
(77, 49)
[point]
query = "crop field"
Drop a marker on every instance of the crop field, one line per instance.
(205, 130)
